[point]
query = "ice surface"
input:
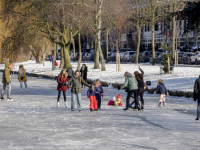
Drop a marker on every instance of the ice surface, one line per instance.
(182, 78)
(32, 121)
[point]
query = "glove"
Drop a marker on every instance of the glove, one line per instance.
(64, 84)
(101, 94)
(22, 78)
(154, 92)
(118, 88)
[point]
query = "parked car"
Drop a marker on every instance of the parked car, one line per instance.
(159, 58)
(156, 55)
(134, 56)
(146, 56)
(195, 58)
(113, 58)
(90, 57)
(180, 54)
(128, 55)
(77, 56)
(84, 55)
(48, 58)
(121, 55)
(186, 57)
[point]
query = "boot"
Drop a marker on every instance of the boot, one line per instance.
(9, 99)
(142, 107)
(91, 109)
(96, 110)
(160, 105)
(1, 98)
(58, 104)
(164, 104)
(138, 107)
(197, 119)
(66, 104)
(125, 109)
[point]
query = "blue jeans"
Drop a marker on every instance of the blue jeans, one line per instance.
(198, 108)
(24, 84)
(78, 97)
(53, 65)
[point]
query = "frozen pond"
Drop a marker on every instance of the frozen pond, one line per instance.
(32, 121)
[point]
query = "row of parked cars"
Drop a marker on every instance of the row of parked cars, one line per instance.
(86, 56)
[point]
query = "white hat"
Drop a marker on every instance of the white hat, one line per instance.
(114, 98)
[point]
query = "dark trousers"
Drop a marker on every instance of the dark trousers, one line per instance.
(141, 94)
(198, 108)
(98, 98)
(135, 98)
(59, 94)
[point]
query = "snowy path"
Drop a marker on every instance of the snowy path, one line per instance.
(182, 78)
(33, 122)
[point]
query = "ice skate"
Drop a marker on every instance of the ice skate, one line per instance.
(1, 98)
(58, 104)
(160, 105)
(197, 119)
(9, 99)
(125, 109)
(66, 104)
(91, 109)
(164, 104)
(142, 107)
(26, 90)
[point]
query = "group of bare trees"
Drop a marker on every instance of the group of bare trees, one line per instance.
(36, 23)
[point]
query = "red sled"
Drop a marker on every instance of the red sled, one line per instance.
(56, 64)
(111, 102)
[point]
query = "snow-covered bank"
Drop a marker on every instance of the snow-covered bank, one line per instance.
(182, 78)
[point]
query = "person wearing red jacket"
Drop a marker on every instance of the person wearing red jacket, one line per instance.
(62, 86)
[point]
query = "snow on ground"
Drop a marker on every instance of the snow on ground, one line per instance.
(182, 78)
(33, 122)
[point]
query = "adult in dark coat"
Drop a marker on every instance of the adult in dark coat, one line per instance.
(83, 72)
(197, 96)
(62, 79)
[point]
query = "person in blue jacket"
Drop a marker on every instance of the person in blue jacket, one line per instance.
(91, 94)
(99, 93)
(162, 90)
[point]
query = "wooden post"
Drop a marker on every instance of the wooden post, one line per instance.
(175, 58)
(168, 66)
(118, 67)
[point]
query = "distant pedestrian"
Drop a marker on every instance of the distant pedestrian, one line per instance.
(91, 94)
(99, 93)
(22, 77)
(12, 68)
(197, 96)
(76, 89)
(70, 72)
(162, 90)
(62, 86)
(6, 82)
(53, 60)
(83, 71)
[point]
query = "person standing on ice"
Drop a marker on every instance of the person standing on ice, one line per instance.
(91, 94)
(6, 82)
(62, 86)
(197, 96)
(83, 71)
(139, 77)
(132, 85)
(22, 77)
(162, 90)
(53, 60)
(99, 93)
(76, 89)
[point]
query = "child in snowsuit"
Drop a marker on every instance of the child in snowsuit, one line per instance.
(99, 93)
(91, 94)
(162, 90)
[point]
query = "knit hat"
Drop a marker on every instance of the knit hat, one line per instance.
(119, 96)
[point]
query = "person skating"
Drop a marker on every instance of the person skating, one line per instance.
(162, 90)
(91, 94)
(83, 72)
(99, 93)
(6, 82)
(70, 72)
(197, 96)
(76, 89)
(62, 86)
(22, 77)
(132, 85)
(139, 78)
(53, 60)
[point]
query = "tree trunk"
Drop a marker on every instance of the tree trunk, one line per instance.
(96, 56)
(173, 35)
(74, 50)
(107, 48)
(138, 45)
(62, 58)
(67, 62)
(79, 46)
(153, 44)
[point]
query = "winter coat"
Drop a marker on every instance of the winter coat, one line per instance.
(76, 86)
(92, 93)
(53, 58)
(61, 80)
(197, 89)
(131, 83)
(23, 79)
(99, 89)
(6, 74)
(141, 82)
(161, 89)
(70, 72)
(84, 73)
